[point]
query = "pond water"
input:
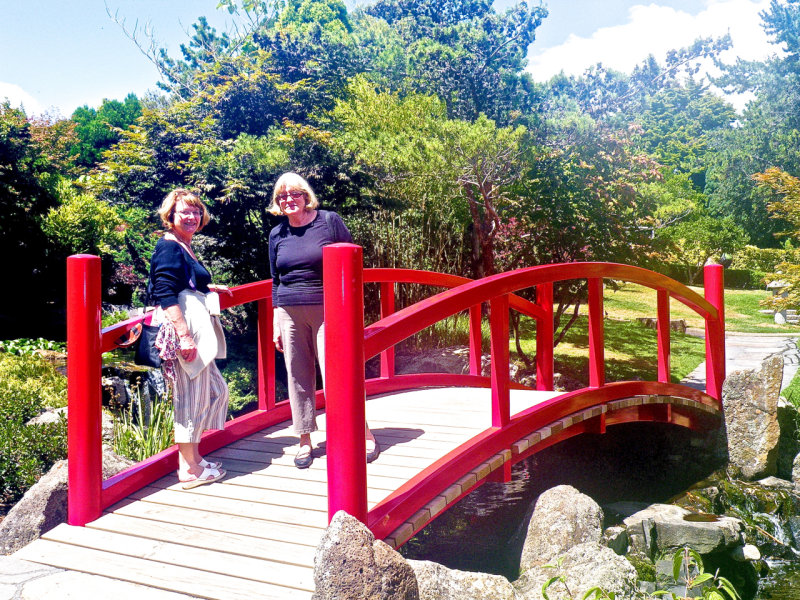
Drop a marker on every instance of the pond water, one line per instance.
(636, 462)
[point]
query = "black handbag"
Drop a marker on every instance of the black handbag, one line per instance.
(146, 353)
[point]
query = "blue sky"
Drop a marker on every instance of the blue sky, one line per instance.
(56, 55)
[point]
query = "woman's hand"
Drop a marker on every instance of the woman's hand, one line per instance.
(276, 338)
(220, 289)
(188, 348)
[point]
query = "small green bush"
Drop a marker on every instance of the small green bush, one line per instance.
(23, 346)
(113, 318)
(28, 384)
(241, 380)
(26, 453)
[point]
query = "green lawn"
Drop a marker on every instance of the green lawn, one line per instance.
(630, 347)
(741, 309)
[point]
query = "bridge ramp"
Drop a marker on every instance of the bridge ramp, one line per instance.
(254, 534)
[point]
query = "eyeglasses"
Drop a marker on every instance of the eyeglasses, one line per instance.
(190, 213)
(295, 194)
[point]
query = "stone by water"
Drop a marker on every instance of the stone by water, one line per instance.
(641, 462)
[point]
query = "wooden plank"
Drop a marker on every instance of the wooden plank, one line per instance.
(266, 449)
(253, 527)
(251, 494)
(276, 550)
(186, 554)
(314, 488)
(269, 512)
(319, 464)
(203, 584)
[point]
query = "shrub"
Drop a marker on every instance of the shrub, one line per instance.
(241, 380)
(28, 384)
(764, 259)
(26, 453)
(29, 346)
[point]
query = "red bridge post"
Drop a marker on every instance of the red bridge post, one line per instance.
(662, 323)
(544, 338)
(475, 340)
(266, 357)
(498, 325)
(343, 281)
(84, 370)
(597, 367)
(714, 287)
(387, 308)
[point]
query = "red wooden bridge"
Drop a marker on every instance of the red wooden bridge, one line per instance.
(443, 434)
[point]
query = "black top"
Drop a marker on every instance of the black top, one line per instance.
(172, 270)
(295, 258)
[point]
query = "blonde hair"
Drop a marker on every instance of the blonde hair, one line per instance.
(167, 210)
(292, 181)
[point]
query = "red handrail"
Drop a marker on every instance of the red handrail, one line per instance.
(346, 279)
(89, 494)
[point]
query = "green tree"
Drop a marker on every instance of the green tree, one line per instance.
(453, 171)
(767, 133)
(97, 130)
(466, 53)
(27, 184)
(694, 241)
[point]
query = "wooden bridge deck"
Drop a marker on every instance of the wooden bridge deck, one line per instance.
(254, 534)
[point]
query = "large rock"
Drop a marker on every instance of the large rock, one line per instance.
(562, 518)
(45, 504)
(663, 527)
(437, 582)
(350, 564)
(583, 567)
(750, 403)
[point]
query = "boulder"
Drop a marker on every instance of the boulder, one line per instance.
(56, 414)
(350, 564)
(750, 403)
(562, 518)
(582, 567)
(437, 582)
(661, 528)
(45, 504)
(789, 442)
(796, 473)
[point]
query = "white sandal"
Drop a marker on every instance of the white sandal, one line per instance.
(209, 465)
(207, 476)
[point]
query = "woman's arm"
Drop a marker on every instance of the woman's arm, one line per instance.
(188, 348)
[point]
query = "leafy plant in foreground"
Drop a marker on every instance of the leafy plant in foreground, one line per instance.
(687, 566)
(138, 435)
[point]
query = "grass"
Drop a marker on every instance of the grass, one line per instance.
(630, 347)
(741, 309)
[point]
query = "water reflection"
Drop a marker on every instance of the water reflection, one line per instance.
(641, 462)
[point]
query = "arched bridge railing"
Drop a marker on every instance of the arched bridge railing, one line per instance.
(347, 349)
(350, 343)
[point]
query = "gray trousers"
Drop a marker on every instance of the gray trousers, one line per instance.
(302, 330)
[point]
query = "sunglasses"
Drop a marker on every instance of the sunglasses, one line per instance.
(296, 195)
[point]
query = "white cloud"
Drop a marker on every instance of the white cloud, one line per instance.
(656, 29)
(19, 97)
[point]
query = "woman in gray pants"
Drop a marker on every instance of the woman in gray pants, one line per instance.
(295, 257)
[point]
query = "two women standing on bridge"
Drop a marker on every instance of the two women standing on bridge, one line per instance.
(190, 337)
(295, 257)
